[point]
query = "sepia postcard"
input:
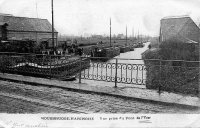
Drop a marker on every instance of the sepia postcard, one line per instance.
(99, 63)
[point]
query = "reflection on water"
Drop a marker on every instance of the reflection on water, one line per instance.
(128, 71)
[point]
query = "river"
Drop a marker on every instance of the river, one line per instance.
(130, 73)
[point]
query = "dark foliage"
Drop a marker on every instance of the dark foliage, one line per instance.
(178, 50)
(18, 46)
(171, 74)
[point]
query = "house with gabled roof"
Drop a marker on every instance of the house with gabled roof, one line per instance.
(182, 28)
(24, 28)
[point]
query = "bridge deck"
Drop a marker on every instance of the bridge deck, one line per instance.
(136, 93)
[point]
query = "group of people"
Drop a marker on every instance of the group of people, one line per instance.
(73, 49)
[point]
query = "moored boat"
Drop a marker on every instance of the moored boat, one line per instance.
(104, 54)
(61, 68)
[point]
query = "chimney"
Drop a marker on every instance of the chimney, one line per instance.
(4, 31)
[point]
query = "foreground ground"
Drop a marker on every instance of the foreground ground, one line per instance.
(23, 98)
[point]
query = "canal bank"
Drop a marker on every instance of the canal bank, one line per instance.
(144, 95)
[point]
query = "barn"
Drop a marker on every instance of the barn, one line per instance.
(183, 28)
(24, 28)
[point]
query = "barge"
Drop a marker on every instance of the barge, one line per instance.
(104, 54)
(124, 49)
(60, 68)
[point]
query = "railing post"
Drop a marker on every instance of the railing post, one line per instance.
(116, 63)
(80, 70)
(160, 76)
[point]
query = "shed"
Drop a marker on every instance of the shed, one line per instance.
(19, 28)
(182, 27)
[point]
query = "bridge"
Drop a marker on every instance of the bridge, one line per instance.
(127, 72)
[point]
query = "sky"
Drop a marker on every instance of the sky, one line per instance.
(85, 17)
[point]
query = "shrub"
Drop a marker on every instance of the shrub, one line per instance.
(177, 50)
(172, 75)
(154, 42)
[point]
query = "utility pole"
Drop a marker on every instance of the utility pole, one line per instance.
(52, 25)
(138, 37)
(37, 17)
(36, 9)
(126, 35)
(133, 33)
(110, 32)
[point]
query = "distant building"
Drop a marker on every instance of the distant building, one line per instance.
(121, 36)
(24, 28)
(97, 36)
(182, 28)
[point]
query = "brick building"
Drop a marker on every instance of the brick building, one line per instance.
(23, 28)
(182, 28)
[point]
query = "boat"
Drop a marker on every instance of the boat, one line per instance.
(64, 69)
(124, 49)
(104, 54)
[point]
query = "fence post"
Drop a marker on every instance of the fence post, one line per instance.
(80, 70)
(116, 63)
(160, 76)
(50, 67)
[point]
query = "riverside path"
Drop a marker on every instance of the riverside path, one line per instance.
(25, 98)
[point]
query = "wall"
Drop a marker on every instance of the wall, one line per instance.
(191, 31)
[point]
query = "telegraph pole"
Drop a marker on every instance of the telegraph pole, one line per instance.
(126, 35)
(110, 32)
(37, 17)
(138, 37)
(36, 9)
(52, 25)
